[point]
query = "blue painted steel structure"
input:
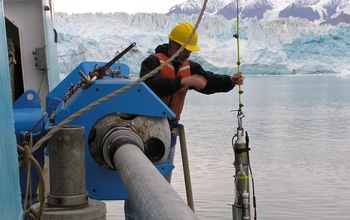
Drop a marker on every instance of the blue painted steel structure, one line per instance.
(104, 183)
(29, 118)
(101, 183)
(139, 100)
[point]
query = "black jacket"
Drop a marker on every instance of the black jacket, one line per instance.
(167, 86)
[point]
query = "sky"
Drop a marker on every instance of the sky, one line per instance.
(106, 6)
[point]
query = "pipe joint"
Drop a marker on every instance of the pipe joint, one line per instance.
(117, 137)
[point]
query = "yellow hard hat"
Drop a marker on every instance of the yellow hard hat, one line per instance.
(180, 34)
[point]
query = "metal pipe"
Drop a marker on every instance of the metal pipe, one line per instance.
(67, 168)
(186, 166)
(150, 194)
(67, 179)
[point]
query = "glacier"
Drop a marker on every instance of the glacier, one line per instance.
(278, 47)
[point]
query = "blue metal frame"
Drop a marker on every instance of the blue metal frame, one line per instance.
(104, 183)
(29, 117)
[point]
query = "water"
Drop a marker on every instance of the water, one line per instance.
(299, 129)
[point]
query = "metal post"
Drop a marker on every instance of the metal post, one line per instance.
(67, 168)
(186, 166)
(67, 179)
(150, 194)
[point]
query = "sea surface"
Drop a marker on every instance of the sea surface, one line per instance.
(299, 130)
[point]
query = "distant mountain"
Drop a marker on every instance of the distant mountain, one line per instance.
(337, 11)
(301, 9)
(325, 11)
(187, 8)
(320, 11)
(337, 18)
(191, 7)
(256, 9)
(229, 11)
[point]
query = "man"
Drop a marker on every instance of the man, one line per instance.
(174, 80)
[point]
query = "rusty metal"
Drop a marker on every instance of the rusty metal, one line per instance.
(101, 72)
(153, 131)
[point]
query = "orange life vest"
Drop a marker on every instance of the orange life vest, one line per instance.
(175, 101)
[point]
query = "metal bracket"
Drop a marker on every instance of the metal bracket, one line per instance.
(40, 58)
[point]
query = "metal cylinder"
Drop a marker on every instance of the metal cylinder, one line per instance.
(241, 207)
(186, 166)
(154, 133)
(150, 194)
(116, 137)
(67, 168)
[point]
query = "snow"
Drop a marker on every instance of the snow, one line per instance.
(285, 46)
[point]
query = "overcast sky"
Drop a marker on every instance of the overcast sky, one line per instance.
(128, 6)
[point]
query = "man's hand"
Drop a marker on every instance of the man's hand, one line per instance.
(237, 78)
(195, 81)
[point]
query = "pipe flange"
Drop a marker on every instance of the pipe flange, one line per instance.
(117, 137)
(153, 131)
